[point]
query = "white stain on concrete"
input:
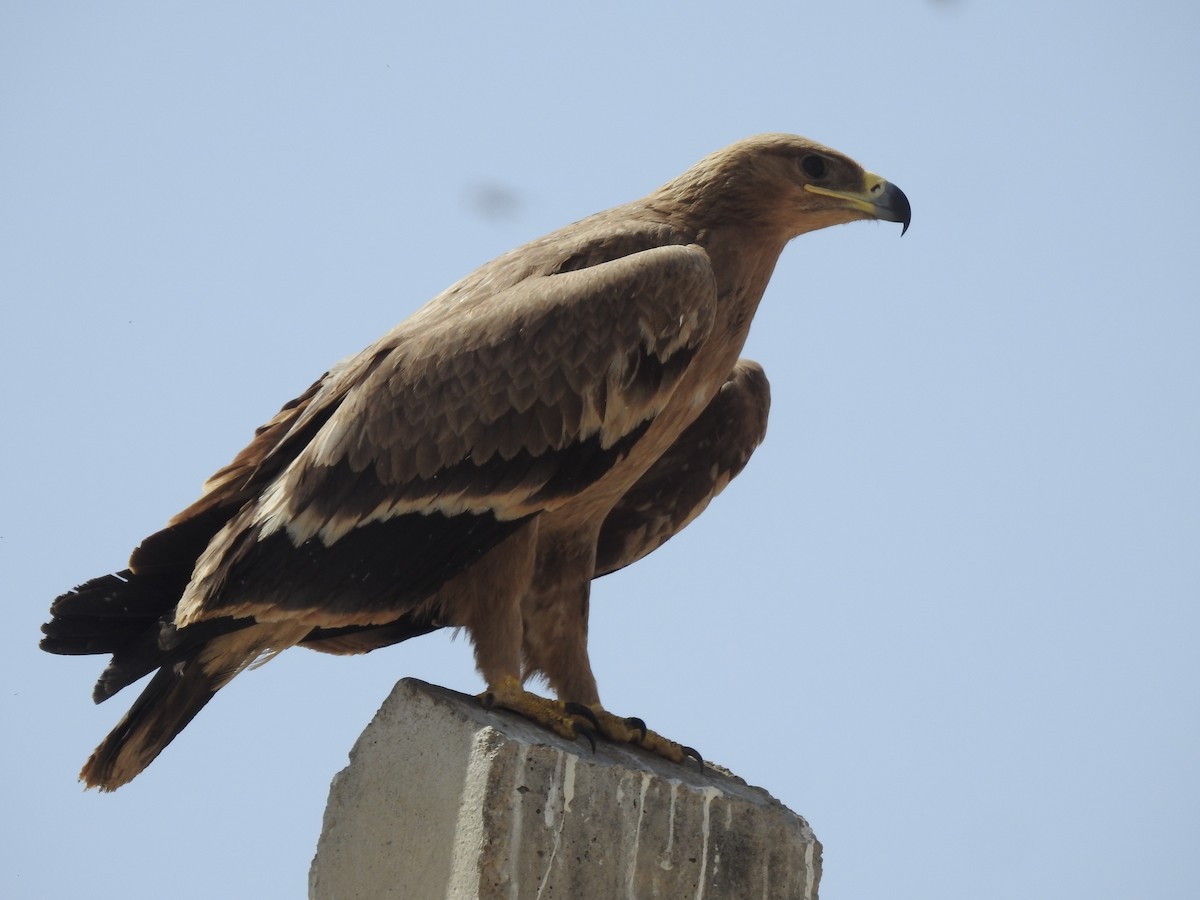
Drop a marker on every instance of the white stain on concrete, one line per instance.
(514, 845)
(630, 882)
(664, 861)
(558, 807)
(710, 794)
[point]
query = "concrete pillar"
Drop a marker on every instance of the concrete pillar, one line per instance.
(444, 799)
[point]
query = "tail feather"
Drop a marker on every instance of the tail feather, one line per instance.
(108, 613)
(111, 613)
(172, 698)
(128, 615)
(176, 693)
(122, 595)
(131, 615)
(159, 646)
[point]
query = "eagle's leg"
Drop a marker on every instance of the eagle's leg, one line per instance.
(555, 641)
(485, 600)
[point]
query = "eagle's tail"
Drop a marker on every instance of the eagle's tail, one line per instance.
(130, 615)
(172, 698)
(180, 689)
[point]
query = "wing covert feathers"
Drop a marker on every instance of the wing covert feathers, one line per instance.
(461, 429)
(684, 480)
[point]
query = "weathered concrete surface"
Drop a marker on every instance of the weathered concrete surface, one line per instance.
(444, 799)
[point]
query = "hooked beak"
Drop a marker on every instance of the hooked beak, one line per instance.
(879, 199)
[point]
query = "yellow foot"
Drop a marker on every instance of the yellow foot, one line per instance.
(634, 731)
(561, 718)
(570, 720)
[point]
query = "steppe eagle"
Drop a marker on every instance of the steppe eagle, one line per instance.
(555, 415)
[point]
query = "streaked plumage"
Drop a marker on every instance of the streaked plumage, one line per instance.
(554, 416)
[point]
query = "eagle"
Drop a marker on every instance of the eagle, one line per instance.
(552, 417)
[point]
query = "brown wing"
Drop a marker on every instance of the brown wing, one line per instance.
(501, 315)
(697, 467)
(460, 429)
(703, 460)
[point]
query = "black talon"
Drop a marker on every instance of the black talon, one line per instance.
(585, 712)
(694, 754)
(637, 725)
(587, 733)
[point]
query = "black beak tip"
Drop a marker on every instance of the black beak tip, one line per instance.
(901, 208)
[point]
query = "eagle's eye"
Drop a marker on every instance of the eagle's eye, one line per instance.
(813, 166)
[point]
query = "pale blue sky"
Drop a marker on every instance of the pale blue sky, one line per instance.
(949, 612)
